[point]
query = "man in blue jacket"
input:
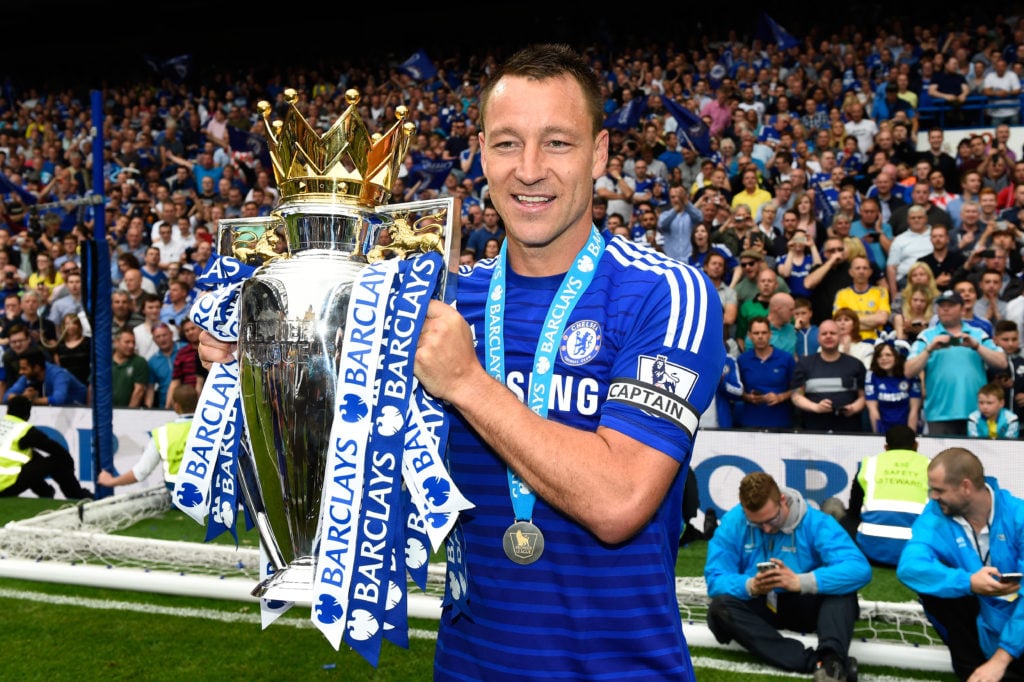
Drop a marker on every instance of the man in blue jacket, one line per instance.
(46, 383)
(969, 535)
(775, 563)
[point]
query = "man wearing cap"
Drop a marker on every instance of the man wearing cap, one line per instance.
(953, 356)
(751, 264)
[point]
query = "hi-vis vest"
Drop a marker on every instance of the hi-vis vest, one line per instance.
(895, 485)
(170, 443)
(12, 458)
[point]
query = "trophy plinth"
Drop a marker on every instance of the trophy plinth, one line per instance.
(291, 584)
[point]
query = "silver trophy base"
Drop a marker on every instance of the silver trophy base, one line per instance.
(293, 583)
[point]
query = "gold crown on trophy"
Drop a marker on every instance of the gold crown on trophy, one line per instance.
(345, 164)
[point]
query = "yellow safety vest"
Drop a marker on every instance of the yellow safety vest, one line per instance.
(12, 457)
(895, 483)
(170, 443)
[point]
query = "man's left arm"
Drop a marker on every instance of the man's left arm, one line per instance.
(844, 568)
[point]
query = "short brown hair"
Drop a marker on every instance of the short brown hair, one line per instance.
(756, 489)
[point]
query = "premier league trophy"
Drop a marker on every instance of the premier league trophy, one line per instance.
(341, 451)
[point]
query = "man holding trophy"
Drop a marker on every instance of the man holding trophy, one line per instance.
(574, 371)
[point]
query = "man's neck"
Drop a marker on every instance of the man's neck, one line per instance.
(830, 355)
(980, 511)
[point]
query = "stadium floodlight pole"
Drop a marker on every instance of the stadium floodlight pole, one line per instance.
(96, 279)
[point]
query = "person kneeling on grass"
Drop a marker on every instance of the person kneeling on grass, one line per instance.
(166, 445)
(776, 563)
(28, 456)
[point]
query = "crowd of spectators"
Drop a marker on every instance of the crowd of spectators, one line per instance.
(828, 231)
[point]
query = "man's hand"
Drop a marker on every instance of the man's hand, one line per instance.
(779, 577)
(212, 350)
(445, 358)
(986, 583)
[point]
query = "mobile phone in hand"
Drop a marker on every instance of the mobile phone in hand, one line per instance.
(763, 566)
(1010, 577)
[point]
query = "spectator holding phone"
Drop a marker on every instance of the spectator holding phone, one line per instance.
(811, 585)
(953, 356)
(967, 537)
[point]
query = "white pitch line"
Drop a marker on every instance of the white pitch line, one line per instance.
(207, 614)
(759, 669)
(254, 619)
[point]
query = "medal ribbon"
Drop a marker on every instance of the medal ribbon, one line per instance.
(572, 287)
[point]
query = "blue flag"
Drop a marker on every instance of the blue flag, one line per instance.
(431, 171)
(627, 117)
(175, 68)
(769, 31)
(823, 207)
(418, 66)
(8, 188)
(243, 141)
(692, 130)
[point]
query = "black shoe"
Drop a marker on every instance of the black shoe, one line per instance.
(830, 669)
(851, 669)
(710, 523)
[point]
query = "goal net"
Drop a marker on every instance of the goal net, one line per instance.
(82, 544)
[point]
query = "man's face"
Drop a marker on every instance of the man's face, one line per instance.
(868, 213)
(917, 221)
(715, 267)
(828, 335)
(950, 498)
(191, 332)
(940, 239)
(990, 284)
(132, 280)
(18, 342)
(122, 306)
(949, 312)
(649, 220)
(919, 195)
(30, 372)
(12, 307)
(767, 282)
(151, 310)
(163, 339)
(988, 202)
(124, 344)
(770, 517)
(860, 271)
(967, 293)
(526, 110)
(760, 335)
